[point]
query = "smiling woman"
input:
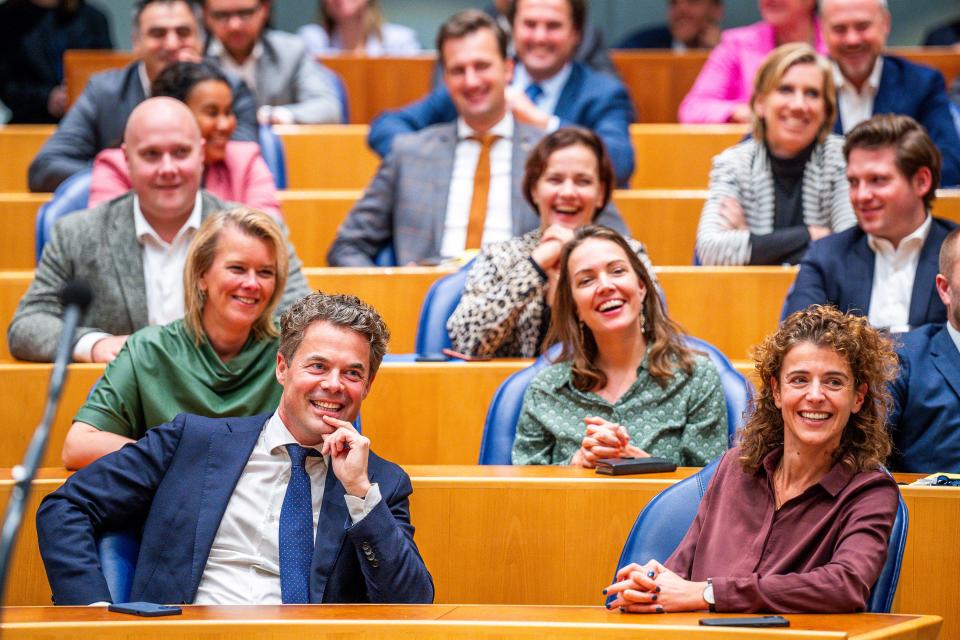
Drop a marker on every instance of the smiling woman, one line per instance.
(218, 361)
(625, 384)
(798, 517)
(773, 194)
(505, 308)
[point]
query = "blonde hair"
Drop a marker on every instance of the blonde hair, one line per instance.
(203, 251)
(771, 72)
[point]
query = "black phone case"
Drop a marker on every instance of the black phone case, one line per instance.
(625, 466)
(145, 609)
(752, 621)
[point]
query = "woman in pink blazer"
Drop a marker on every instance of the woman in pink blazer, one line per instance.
(722, 90)
(233, 170)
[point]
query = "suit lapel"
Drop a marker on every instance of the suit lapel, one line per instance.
(946, 358)
(441, 154)
(227, 456)
(332, 524)
(125, 252)
(924, 282)
(569, 93)
(522, 217)
(885, 100)
(860, 280)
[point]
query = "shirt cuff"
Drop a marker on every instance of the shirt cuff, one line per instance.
(83, 349)
(553, 124)
(275, 115)
(360, 507)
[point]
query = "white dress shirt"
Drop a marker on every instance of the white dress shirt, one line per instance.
(954, 334)
(498, 224)
(162, 273)
(552, 88)
(244, 562)
(856, 106)
(894, 271)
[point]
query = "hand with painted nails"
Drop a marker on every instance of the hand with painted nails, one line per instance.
(652, 588)
(349, 452)
(604, 439)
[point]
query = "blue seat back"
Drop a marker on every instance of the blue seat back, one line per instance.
(71, 196)
(737, 390)
(439, 304)
(118, 552)
(272, 150)
(662, 524)
(386, 257)
(500, 426)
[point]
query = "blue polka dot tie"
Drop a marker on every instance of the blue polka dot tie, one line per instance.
(296, 530)
(534, 91)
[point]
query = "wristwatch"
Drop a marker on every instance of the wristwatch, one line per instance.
(708, 596)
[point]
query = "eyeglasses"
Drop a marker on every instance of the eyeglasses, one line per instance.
(244, 15)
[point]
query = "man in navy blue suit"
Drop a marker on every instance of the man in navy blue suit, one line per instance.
(870, 83)
(925, 422)
(691, 24)
(885, 267)
(549, 89)
(286, 507)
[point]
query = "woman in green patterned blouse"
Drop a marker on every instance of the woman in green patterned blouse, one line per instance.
(218, 361)
(625, 384)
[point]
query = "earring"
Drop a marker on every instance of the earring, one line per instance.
(643, 322)
(203, 294)
(580, 326)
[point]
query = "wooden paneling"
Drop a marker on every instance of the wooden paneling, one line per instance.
(19, 143)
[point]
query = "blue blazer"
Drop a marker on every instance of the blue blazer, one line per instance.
(593, 100)
(919, 92)
(838, 270)
(658, 37)
(177, 481)
(925, 421)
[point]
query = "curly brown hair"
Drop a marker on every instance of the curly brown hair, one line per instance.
(667, 350)
(865, 443)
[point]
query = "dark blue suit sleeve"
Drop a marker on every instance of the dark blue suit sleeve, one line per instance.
(610, 117)
(115, 492)
(934, 115)
(435, 108)
(399, 575)
(245, 108)
(898, 393)
(810, 287)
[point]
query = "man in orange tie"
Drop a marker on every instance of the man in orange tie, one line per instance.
(451, 187)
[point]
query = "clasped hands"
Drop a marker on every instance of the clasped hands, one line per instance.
(652, 588)
(604, 439)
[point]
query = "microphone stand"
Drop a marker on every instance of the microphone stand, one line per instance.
(76, 296)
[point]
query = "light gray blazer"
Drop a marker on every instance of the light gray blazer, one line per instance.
(743, 172)
(289, 77)
(100, 246)
(406, 202)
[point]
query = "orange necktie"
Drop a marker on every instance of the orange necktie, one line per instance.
(481, 189)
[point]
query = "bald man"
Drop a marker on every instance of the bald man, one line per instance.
(132, 249)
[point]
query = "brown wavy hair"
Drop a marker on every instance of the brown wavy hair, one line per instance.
(865, 443)
(667, 351)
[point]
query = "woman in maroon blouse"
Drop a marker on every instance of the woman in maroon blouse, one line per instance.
(797, 518)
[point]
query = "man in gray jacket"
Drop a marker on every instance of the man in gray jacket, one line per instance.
(131, 249)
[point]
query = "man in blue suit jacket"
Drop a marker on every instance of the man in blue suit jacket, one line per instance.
(869, 83)
(691, 24)
(220, 501)
(545, 35)
(925, 421)
(892, 166)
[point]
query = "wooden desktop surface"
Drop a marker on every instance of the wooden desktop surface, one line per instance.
(553, 536)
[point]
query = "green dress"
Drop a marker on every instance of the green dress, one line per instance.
(686, 421)
(161, 372)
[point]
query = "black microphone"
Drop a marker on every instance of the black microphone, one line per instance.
(75, 297)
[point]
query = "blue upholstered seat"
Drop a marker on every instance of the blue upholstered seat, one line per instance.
(438, 305)
(272, 150)
(71, 196)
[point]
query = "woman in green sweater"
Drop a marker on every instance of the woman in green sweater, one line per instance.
(217, 361)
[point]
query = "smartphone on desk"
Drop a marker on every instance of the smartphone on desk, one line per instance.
(750, 621)
(626, 466)
(145, 609)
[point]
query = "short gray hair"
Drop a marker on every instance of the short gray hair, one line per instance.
(341, 310)
(882, 3)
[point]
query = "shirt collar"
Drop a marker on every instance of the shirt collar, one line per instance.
(144, 79)
(954, 335)
(503, 129)
(873, 80)
(833, 482)
(216, 50)
(276, 435)
(143, 229)
(551, 86)
(918, 237)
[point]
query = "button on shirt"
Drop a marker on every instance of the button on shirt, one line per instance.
(498, 225)
(244, 562)
(552, 88)
(162, 273)
(894, 271)
(856, 107)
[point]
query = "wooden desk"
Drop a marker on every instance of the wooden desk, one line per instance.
(19, 143)
(553, 535)
(439, 621)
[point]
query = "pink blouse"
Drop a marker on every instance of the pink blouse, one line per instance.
(242, 177)
(726, 79)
